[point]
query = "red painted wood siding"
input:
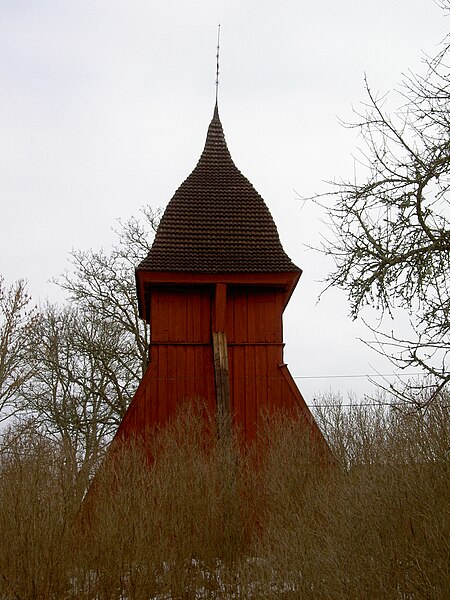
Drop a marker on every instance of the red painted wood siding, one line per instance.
(181, 314)
(181, 367)
(254, 315)
(181, 360)
(255, 353)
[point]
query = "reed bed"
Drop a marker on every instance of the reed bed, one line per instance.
(206, 518)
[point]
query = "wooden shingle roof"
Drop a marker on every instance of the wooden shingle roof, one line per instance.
(216, 221)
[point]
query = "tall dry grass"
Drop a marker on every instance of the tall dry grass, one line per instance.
(379, 526)
(206, 520)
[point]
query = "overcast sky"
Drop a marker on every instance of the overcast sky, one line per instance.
(104, 107)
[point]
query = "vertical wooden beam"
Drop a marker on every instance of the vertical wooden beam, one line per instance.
(220, 352)
(220, 307)
(221, 373)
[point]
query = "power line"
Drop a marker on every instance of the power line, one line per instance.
(355, 376)
(254, 377)
(351, 404)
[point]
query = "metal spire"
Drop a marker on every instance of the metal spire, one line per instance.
(217, 62)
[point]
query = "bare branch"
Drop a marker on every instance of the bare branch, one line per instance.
(390, 232)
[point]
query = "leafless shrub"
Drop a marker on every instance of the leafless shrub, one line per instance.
(36, 506)
(193, 515)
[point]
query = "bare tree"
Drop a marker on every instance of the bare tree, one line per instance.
(105, 282)
(82, 381)
(86, 357)
(16, 320)
(390, 232)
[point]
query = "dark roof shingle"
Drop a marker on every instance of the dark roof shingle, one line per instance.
(217, 222)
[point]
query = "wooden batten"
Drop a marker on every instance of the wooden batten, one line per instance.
(220, 354)
(220, 307)
(222, 381)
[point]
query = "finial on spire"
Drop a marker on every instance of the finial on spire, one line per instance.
(217, 62)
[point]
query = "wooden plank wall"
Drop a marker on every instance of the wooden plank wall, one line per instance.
(181, 368)
(255, 353)
(182, 362)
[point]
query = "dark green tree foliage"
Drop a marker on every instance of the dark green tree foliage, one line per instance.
(390, 231)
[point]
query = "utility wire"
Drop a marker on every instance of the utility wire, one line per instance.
(360, 376)
(350, 404)
(252, 377)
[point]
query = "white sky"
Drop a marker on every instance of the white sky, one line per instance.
(104, 107)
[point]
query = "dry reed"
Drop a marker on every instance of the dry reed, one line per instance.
(206, 520)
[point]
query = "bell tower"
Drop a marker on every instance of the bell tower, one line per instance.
(213, 289)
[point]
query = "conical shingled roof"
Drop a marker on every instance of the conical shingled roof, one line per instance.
(217, 222)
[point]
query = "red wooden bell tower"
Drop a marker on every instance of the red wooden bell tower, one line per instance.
(213, 288)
